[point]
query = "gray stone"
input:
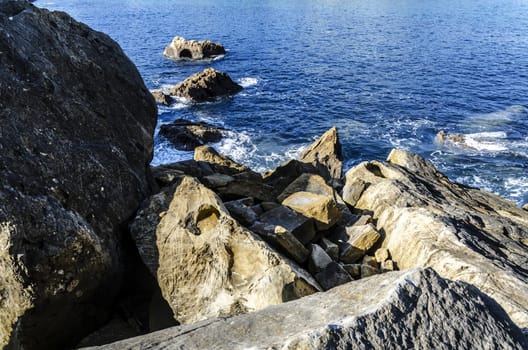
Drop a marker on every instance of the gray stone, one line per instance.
(464, 233)
(267, 206)
(302, 227)
(242, 211)
(353, 270)
(382, 254)
(181, 49)
(283, 240)
(332, 275)
(319, 260)
(368, 270)
(413, 309)
(186, 135)
(330, 248)
(280, 177)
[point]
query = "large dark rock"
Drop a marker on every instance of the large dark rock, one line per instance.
(205, 86)
(413, 309)
(186, 135)
(75, 144)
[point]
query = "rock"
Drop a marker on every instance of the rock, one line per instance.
(387, 265)
(352, 191)
(186, 135)
(221, 163)
(312, 183)
(161, 98)
(362, 238)
(283, 240)
(285, 174)
(368, 270)
(181, 49)
(205, 263)
(299, 225)
(330, 248)
(413, 309)
(204, 86)
(241, 210)
(75, 145)
(321, 208)
(267, 206)
(325, 155)
(353, 270)
(464, 233)
(319, 260)
(369, 260)
(332, 275)
(525, 207)
(382, 255)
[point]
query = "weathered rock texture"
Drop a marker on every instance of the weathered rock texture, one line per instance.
(326, 155)
(463, 233)
(186, 135)
(181, 49)
(205, 86)
(205, 263)
(414, 309)
(75, 144)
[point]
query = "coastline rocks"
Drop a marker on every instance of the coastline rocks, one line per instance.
(325, 155)
(181, 49)
(161, 98)
(415, 309)
(186, 135)
(75, 146)
(205, 86)
(463, 233)
(322, 209)
(205, 263)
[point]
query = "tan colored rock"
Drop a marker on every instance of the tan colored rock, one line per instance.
(352, 191)
(181, 49)
(525, 207)
(325, 154)
(210, 155)
(321, 208)
(362, 238)
(205, 263)
(463, 233)
(287, 172)
(387, 266)
(382, 255)
(161, 97)
(283, 240)
(312, 183)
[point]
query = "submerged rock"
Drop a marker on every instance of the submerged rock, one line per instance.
(75, 146)
(206, 264)
(205, 86)
(186, 135)
(414, 309)
(181, 49)
(463, 233)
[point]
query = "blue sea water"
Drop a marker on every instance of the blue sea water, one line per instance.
(387, 73)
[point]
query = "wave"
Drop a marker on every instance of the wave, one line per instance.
(247, 82)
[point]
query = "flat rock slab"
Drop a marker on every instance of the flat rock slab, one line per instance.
(463, 233)
(414, 309)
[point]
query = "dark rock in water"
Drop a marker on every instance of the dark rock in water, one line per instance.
(413, 309)
(186, 135)
(181, 49)
(205, 86)
(161, 97)
(75, 145)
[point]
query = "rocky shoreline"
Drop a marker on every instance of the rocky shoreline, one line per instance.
(99, 249)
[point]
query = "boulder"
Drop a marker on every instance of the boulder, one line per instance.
(368, 270)
(205, 263)
(332, 275)
(161, 98)
(300, 226)
(75, 146)
(319, 260)
(204, 86)
(354, 270)
(280, 177)
(186, 135)
(330, 248)
(221, 163)
(307, 182)
(181, 49)
(352, 191)
(361, 239)
(242, 211)
(463, 233)
(282, 239)
(322, 209)
(325, 155)
(415, 309)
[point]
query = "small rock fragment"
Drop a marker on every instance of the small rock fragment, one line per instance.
(387, 265)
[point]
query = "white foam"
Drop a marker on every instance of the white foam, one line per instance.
(487, 141)
(165, 153)
(248, 81)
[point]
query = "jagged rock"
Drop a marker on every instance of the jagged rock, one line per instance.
(382, 255)
(242, 211)
(300, 226)
(352, 191)
(161, 98)
(387, 265)
(282, 239)
(325, 155)
(354, 270)
(464, 233)
(181, 49)
(319, 260)
(413, 309)
(286, 173)
(361, 239)
(330, 248)
(205, 263)
(332, 275)
(205, 86)
(312, 183)
(322, 209)
(186, 135)
(221, 163)
(368, 270)
(75, 144)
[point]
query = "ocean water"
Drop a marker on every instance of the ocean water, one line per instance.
(386, 73)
